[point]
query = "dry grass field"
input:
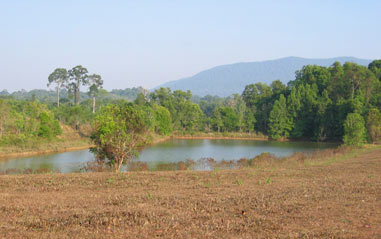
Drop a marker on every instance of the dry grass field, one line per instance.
(335, 198)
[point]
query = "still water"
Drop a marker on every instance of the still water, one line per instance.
(170, 151)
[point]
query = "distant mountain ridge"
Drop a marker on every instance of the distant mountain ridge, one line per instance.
(225, 80)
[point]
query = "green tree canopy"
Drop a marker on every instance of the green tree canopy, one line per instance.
(119, 130)
(77, 77)
(60, 77)
(163, 121)
(280, 123)
(355, 131)
(225, 119)
(96, 83)
(374, 125)
(375, 67)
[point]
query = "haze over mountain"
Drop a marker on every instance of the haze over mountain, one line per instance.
(225, 80)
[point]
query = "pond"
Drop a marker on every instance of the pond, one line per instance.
(170, 151)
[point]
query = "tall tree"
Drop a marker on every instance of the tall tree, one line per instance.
(374, 125)
(225, 119)
(250, 95)
(192, 117)
(375, 67)
(278, 88)
(163, 121)
(164, 97)
(60, 77)
(5, 110)
(77, 76)
(140, 99)
(355, 131)
(96, 83)
(280, 123)
(312, 75)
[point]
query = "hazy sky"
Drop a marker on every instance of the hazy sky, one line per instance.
(146, 43)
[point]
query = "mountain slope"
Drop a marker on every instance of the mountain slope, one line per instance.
(229, 79)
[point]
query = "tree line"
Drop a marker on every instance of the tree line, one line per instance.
(335, 103)
(23, 122)
(72, 80)
(318, 105)
(340, 102)
(49, 97)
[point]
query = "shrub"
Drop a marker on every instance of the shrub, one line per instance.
(48, 126)
(355, 131)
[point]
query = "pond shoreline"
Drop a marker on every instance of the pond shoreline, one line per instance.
(264, 138)
(42, 152)
(157, 140)
(6, 156)
(223, 137)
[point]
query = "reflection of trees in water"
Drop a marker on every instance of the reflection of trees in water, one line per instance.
(189, 164)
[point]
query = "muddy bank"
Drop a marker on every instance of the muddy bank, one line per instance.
(42, 152)
(61, 149)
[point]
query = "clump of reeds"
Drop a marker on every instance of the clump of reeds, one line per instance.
(12, 171)
(137, 166)
(96, 166)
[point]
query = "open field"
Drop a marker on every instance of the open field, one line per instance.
(335, 198)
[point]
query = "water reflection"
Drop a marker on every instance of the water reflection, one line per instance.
(176, 154)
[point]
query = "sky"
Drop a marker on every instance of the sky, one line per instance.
(146, 43)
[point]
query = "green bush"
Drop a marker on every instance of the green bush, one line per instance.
(49, 127)
(355, 131)
(163, 121)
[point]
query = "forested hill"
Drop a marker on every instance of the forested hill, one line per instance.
(229, 79)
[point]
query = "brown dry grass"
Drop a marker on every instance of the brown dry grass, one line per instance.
(335, 198)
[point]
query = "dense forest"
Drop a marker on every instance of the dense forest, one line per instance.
(335, 103)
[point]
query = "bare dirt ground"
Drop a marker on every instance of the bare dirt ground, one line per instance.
(328, 199)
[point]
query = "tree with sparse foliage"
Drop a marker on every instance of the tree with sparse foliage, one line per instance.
(77, 77)
(96, 83)
(60, 77)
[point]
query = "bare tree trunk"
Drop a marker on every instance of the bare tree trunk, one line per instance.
(58, 96)
(93, 104)
(118, 165)
(77, 94)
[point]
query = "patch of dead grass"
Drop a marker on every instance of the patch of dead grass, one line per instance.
(329, 200)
